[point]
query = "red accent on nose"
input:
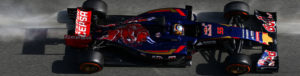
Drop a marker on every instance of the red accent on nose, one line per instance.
(180, 12)
(236, 37)
(159, 11)
(180, 48)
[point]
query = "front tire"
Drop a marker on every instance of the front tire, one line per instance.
(236, 8)
(238, 64)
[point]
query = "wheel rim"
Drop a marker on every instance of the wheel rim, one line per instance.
(238, 68)
(90, 67)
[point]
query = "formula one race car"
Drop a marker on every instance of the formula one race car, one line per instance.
(169, 37)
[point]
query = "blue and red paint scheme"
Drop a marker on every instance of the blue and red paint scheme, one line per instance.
(147, 35)
(173, 16)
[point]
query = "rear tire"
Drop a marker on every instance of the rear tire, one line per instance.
(97, 5)
(236, 8)
(90, 67)
(90, 61)
(100, 9)
(238, 64)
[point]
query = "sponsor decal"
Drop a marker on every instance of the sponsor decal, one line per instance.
(247, 34)
(243, 31)
(257, 36)
(157, 57)
(83, 23)
(266, 39)
(269, 23)
(270, 26)
(267, 58)
(161, 57)
(252, 35)
(261, 37)
(207, 29)
(77, 37)
(171, 57)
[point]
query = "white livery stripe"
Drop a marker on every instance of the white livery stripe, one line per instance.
(150, 40)
(252, 35)
(247, 34)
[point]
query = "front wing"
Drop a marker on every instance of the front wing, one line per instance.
(269, 60)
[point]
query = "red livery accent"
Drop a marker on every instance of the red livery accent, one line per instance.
(162, 10)
(260, 18)
(109, 25)
(180, 48)
(172, 57)
(271, 53)
(220, 30)
(180, 12)
(270, 26)
(264, 43)
(257, 36)
(169, 10)
(112, 35)
(268, 58)
(77, 41)
(269, 15)
(261, 62)
(141, 20)
(132, 33)
(236, 37)
(83, 23)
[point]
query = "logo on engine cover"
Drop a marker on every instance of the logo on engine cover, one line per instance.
(83, 23)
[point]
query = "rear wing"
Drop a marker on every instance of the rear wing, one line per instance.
(83, 22)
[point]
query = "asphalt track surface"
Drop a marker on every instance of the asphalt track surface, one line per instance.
(31, 38)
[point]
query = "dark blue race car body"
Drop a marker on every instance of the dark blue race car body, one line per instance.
(171, 37)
